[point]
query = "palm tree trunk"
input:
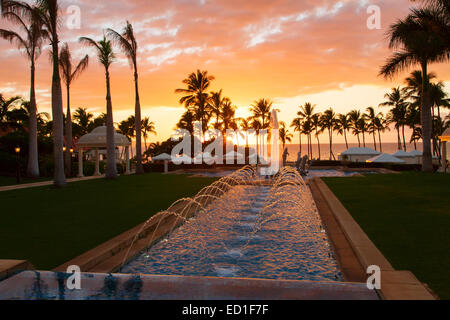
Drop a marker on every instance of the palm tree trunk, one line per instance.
(58, 121)
(374, 139)
(427, 165)
(359, 140)
(33, 156)
(139, 167)
(111, 170)
(379, 138)
(399, 140)
(364, 139)
(300, 139)
(345, 136)
(318, 144)
(404, 140)
(68, 155)
(331, 143)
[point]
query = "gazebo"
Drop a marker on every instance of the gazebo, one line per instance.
(97, 140)
(444, 139)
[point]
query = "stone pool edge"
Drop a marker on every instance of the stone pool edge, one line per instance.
(395, 284)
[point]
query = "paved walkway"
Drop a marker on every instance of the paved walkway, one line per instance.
(44, 183)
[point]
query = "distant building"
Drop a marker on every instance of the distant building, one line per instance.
(358, 155)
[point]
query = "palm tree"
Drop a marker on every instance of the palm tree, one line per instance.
(216, 106)
(316, 124)
(372, 117)
(187, 122)
(397, 99)
(196, 96)
(127, 42)
(381, 125)
(306, 113)
(6, 105)
(47, 13)
(83, 119)
(261, 109)
(147, 127)
(257, 126)
(285, 135)
(31, 43)
(343, 126)
(106, 57)
(418, 43)
(245, 125)
(297, 124)
(328, 122)
(354, 116)
(68, 75)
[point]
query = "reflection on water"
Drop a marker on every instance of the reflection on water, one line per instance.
(253, 232)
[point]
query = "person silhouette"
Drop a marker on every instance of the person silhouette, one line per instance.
(285, 155)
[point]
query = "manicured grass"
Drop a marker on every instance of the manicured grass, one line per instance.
(50, 226)
(407, 216)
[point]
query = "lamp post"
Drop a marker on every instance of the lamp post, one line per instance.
(71, 156)
(17, 150)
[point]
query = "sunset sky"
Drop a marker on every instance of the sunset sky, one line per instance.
(290, 51)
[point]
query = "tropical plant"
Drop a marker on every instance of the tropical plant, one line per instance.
(106, 57)
(82, 119)
(306, 113)
(69, 72)
(128, 44)
(328, 122)
(297, 124)
(398, 114)
(261, 109)
(285, 135)
(343, 126)
(418, 43)
(216, 105)
(317, 125)
(354, 116)
(148, 127)
(196, 98)
(372, 128)
(31, 43)
(6, 106)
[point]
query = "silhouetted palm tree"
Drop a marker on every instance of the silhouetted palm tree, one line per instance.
(6, 106)
(297, 124)
(285, 135)
(68, 74)
(381, 125)
(397, 115)
(306, 113)
(147, 127)
(216, 105)
(354, 117)
(106, 57)
(317, 125)
(196, 96)
(343, 126)
(31, 43)
(328, 122)
(372, 117)
(418, 43)
(128, 44)
(261, 109)
(83, 119)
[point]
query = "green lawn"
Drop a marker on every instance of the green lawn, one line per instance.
(50, 226)
(407, 216)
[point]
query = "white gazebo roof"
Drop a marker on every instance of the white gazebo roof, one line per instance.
(385, 158)
(360, 152)
(162, 157)
(403, 154)
(445, 136)
(97, 139)
(416, 153)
